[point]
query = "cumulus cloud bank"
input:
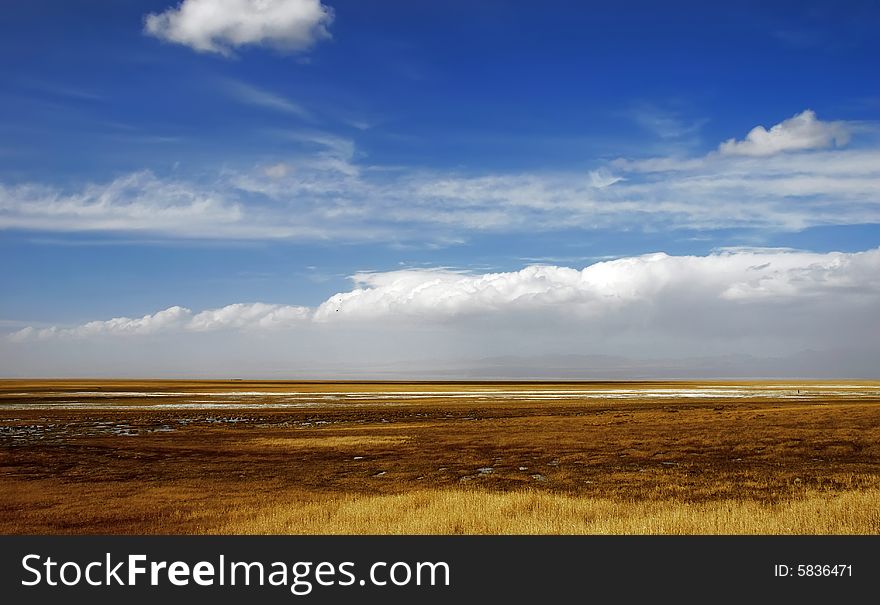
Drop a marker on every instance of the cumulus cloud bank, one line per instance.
(219, 26)
(801, 132)
(730, 313)
(721, 280)
(738, 291)
(176, 319)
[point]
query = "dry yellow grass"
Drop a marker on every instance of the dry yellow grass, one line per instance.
(532, 512)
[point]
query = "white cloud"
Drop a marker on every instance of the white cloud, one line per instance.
(135, 202)
(249, 315)
(691, 296)
(219, 26)
(239, 316)
(143, 203)
(716, 281)
(602, 178)
(328, 192)
(801, 132)
(172, 317)
(764, 303)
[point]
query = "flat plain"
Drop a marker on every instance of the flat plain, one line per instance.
(178, 457)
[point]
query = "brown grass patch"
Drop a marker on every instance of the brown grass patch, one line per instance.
(329, 441)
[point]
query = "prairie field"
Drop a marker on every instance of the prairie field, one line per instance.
(182, 457)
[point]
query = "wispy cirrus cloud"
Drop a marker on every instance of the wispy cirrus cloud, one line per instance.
(665, 123)
(803, 177)
(259, 97)
(62, 90)
(135, 202)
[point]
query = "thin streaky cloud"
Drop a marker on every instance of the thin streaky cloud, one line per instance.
(260, 97)
(326, 191)
(63, 90)
(665, 123)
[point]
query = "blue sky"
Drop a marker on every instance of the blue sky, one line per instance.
(249, 158)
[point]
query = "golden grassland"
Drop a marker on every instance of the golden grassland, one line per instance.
(437, 511)
(439, 465)
(533, 512)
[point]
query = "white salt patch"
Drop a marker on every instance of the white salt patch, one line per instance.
(342, 399)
